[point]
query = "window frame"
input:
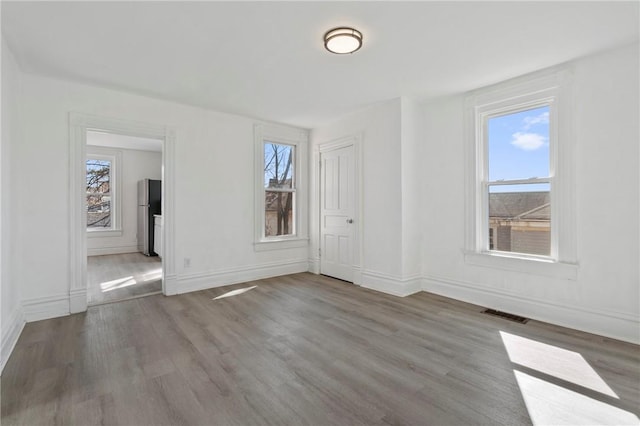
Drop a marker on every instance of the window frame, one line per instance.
(298, 139)
(484, 113)
(292, 191)
(552, 88)
(115, 190)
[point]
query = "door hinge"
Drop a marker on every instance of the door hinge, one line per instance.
(319, 252)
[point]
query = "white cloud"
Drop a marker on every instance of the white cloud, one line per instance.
(528, 141)
(539, 119)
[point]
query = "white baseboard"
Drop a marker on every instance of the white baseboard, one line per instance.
(11, 330)
(314, 265)
(78, 300)
(101, 251)
(357, 275)
(202, 281)
(169, 284)
(46, 307)
(616, 325)
(397, 286)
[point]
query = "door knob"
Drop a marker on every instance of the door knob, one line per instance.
(349, 220)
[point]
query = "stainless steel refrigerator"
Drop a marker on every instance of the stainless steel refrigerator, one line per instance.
(149, 204)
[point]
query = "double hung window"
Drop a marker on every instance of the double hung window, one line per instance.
(521, 204)
(279, 189)
(100, 186)
(280, 195)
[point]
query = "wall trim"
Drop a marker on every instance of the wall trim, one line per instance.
(77, 300)
(101, 251)
(391, 284)
(223, 277)
(40, 308)
(314, 265)
(616, 325)
(79, 123)
(169, 283)
(11, 330)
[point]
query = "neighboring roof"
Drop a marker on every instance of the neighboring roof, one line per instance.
(520, 205)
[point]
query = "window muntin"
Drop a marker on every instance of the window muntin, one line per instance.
(99, 188)
(517, 181)
(279, 189)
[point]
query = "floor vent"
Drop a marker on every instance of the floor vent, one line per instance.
(510, 317)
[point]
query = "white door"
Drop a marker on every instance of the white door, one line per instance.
(337, 208)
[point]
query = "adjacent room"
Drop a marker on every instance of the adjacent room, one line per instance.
(124, 216)
(323, 213)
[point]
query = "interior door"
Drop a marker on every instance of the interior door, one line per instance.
(337, 208)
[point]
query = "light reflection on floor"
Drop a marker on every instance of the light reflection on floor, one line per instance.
(130, 280)
(234, 292)
(554, 361)
(551, 403)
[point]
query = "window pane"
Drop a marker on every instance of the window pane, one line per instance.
(98, 193)
(520, 218)
(519, 145)
(98, 211)
(278, 165)
(98, 176)
(278, 215)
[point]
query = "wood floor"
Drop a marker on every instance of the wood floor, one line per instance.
(122, 276)
(309, 350)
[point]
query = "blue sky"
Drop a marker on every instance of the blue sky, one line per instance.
(519, 148)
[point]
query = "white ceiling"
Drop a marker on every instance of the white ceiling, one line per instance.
(112, 140)
(266, 59)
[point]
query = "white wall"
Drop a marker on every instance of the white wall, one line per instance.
(136, 165)
(380, 128)
(213, 192)
(412, 164)
(605, 297)
(11, 315)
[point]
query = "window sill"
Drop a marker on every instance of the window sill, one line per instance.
(280, 244)
(98, 233)
(534, 266)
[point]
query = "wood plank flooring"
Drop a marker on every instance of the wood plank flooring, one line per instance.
(122, 276)
(309, 350)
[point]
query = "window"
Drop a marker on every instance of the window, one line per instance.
(280, 189)
(103, 192)
(99, 187)
(520, 204)
(517, 182)
(281, 218)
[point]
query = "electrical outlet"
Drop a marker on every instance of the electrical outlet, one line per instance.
(187, 262)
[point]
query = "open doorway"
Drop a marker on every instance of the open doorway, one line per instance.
(123, 216)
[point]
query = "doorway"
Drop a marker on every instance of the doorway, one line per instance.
(339, 210)
(80, 125)
(123, 207)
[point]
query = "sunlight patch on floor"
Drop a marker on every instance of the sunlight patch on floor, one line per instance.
(554, 361)
(156, 274)
(116, 284)
(107, 286)
(234, 292)
(550, 404)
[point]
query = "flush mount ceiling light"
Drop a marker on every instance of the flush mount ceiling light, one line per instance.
(343, 40)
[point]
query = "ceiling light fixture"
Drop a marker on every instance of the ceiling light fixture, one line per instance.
(343, 40)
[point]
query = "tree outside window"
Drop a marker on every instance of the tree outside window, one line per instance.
(99, 184)
(279, 184)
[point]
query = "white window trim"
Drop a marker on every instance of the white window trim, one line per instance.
(553, 88)
(115, 157)
(299, 139)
